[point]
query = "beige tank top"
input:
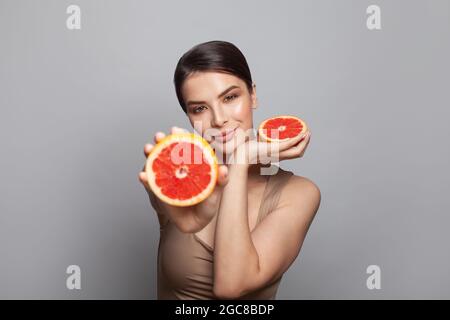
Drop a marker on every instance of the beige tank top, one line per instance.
(185, 262)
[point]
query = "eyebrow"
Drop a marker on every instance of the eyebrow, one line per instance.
(219, 96)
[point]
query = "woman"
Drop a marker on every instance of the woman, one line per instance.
(237, 243)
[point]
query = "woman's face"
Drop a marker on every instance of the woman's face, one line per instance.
(217, 103)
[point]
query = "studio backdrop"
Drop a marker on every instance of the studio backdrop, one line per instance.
(85, 84)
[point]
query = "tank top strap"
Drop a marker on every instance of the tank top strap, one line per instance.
(272, 192)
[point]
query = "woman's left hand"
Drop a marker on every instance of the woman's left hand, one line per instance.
(257, 151)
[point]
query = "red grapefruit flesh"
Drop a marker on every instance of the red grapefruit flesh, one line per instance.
(182, 169)
(281, 128)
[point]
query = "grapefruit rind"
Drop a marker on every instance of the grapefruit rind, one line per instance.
(209, 155)
(263, 135)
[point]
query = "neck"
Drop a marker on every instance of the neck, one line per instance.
(255, 169)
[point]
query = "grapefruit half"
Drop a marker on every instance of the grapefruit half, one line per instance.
(281, 128)
(182, 169)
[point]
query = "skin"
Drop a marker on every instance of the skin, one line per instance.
(246, 257)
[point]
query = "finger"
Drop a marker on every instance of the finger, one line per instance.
(300, 149)
(294, 152)
(159, 136)
(178, 130)
(143, 179)
(306, 145)
(147, 148)
(302, 145)
(305, 137)
(280, 146)
(308, 138)
(288, 154)
(222, 178)
(286, 144)
(297, 150)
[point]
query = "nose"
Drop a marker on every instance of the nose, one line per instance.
(219, 118)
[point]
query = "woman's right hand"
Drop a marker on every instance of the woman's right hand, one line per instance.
(193, 218)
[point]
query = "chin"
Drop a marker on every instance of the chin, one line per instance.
(225, 149)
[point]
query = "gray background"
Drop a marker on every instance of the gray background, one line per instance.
(78, 106)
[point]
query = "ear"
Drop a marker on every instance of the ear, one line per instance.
(254, 97)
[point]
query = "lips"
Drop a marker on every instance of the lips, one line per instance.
(225, 137)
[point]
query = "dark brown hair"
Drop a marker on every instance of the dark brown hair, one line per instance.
(221, 56)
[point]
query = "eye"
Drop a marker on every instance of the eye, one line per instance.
(196, 110)
(230, 97)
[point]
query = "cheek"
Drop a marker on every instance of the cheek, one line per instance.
(199, 124)
(241, 110)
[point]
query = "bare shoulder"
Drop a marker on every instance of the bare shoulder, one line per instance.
(299, 183)
(303, 193)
